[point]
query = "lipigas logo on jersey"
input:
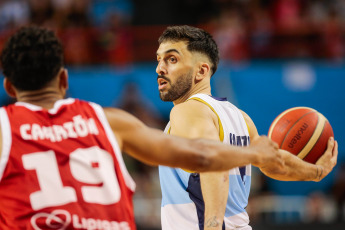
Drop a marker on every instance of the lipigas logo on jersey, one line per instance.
(62, 219)
(57, 219)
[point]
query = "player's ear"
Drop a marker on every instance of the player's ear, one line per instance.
(63, 80)
(9, 88)
(203, 71)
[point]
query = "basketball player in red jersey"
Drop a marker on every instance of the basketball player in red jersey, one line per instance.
(60, 159)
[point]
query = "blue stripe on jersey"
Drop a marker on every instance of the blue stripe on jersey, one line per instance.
(174, 183)
(195, 194)
(194, 191)
(242, 172)
(237, 200)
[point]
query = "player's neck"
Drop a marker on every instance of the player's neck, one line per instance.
(201, 87)
(44, 98)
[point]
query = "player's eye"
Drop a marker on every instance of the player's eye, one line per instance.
(172, 59)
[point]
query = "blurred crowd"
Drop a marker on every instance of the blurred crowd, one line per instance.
(280, 29)
(115, 31)
(92, 31)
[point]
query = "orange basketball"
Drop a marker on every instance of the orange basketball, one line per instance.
(302, 131)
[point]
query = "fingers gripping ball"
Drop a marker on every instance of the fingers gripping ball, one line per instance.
(302, 131)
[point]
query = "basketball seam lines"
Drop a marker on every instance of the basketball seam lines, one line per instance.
(323, 129)
(275, 121)
(316, 135)
(287, 133)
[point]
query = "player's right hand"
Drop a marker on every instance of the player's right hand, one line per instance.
(328, 160)
(267, 153)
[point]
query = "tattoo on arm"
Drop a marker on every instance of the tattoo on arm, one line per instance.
(212, 222)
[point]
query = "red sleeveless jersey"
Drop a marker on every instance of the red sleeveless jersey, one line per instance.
(62, 169)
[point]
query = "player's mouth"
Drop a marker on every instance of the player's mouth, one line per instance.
(162, 83)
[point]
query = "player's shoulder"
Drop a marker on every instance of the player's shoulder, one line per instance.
(120, 119)
(123, 124)
(115, 114)
(190, 108)
(250, 124)
(247, 118)
(245, 115)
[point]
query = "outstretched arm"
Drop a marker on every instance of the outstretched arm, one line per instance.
(295, 169)
(153, 147)
(299, 170)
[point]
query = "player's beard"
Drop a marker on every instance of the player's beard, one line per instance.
(182, 85)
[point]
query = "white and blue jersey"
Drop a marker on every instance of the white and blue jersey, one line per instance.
(182, 201)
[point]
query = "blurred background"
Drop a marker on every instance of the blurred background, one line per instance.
(275, 54)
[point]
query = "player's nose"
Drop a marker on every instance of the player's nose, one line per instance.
(161, 68)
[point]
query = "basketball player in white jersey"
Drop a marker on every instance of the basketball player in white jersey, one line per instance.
(187, 58)
(60, 159)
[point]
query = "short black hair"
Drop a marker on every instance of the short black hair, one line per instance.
(198, 40)
(31, 58)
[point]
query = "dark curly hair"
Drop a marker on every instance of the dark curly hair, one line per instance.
(31, 58)
(198, 41)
